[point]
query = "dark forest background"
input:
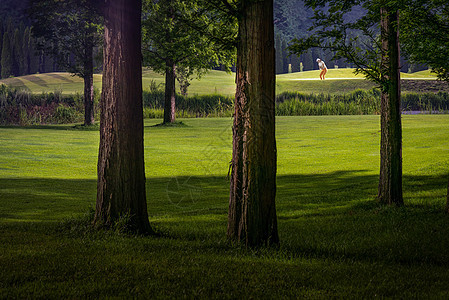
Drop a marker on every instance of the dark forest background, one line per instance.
(21, 54)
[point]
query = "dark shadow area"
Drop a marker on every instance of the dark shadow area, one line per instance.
(15, 82)
(36, 79)
(81, 127)
(325, 216)
(169, 125)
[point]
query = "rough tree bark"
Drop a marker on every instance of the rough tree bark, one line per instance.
(252, 212)
(390, 181)
(170, 96)
(121, 173)
(88, 77)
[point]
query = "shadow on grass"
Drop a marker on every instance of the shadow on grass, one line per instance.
(320, 215)
(80, 127)
(15, 82)
(59, 77)
(36, 79)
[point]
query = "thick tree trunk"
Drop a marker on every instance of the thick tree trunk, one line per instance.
(390, 181)
(252, 212)
(121, 172)
(170, 96)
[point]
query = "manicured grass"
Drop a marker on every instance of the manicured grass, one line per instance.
(339, 81)
(335, 240)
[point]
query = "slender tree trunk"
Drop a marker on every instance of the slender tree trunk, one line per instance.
(390, 181)
(170, 96)
(88, 87)
(252, 212)
(121, 172)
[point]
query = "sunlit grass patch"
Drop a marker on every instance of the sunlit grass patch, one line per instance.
(336, 240)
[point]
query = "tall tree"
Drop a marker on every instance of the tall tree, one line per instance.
(121, 172)
(17, 57)
(279, 52)
(425, 34)
(1, 46)
(378, 60)
(173, 41)
(425, 38)
(69, 27)
(252, 211)
(6, 58)
(252, 217)
(26, 51)
(390, 181)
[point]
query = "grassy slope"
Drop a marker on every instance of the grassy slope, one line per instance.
(339, 81)
(335, 240)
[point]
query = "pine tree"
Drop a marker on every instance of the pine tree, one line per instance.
(34, 58)
(285, 58)
(6, 56)
(279, 57)
(26, 51)
(294, 60)
(17, 56)
(1, 46)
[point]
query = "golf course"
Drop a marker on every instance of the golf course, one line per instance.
(339, 81)
(336, 240)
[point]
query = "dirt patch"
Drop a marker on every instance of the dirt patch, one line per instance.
(424, 86)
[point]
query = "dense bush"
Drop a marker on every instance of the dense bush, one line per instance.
(24, 108)
(193, 106)
(21, 107)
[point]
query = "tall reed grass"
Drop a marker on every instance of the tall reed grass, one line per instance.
(24, 108)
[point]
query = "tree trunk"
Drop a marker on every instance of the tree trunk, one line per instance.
(121, 172)
(252, 212)
(88, 86)
(390, 181)
(170, 96)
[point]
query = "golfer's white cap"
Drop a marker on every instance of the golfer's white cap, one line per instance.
(318, 59)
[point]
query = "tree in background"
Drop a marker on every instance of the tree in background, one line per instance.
(121, 171)
(70, 29)
(425, 38)
(173, 42)
(425, 34)
(378, 60)
(1, 47)
(279, 57)
(6, 58)
(17, 55)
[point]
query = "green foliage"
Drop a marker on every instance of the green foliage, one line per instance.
(193, 106)
(359, 102)
(424, 34)
(24, 108)
(69, 30)
(171, 32)
(356, 40)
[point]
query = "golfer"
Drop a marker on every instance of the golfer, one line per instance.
(322, 67)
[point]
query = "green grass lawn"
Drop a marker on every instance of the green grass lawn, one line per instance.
(335, 240)
(339, 81)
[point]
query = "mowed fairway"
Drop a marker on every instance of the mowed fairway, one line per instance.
(339, 81)
(335, 240)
